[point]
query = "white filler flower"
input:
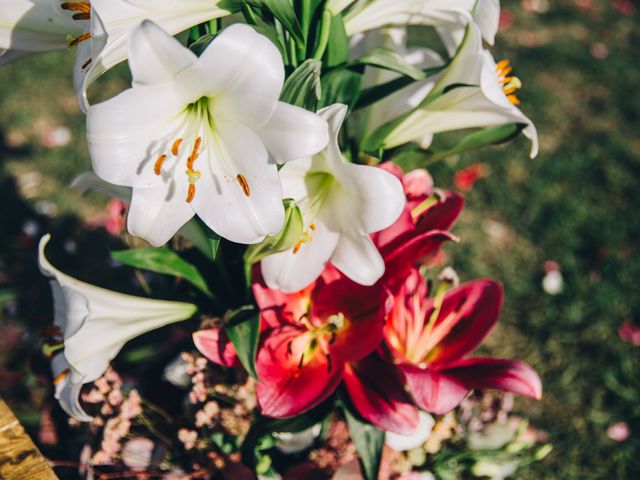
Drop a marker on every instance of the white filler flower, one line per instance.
(342, 203)
(201, 135)
(95, 323)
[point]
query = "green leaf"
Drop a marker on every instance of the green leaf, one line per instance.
(369, 442)
(390, 60)
(201, 44)
(243, 329)
(283, 11)
(341, 85)
(337, 52)
(165, 261)
(303, 87)
(202, 237)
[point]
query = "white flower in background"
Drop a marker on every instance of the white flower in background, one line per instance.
(95, 323)
(342, 203)
(294, 442)
(402, 443)
(98, 29)
(486, 16)
(552, 282)
(487, 99)
(201, 135)
(370, 14)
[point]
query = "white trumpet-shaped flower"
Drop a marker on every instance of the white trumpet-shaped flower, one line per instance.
(98, 29)
(370, 14)
(486, 16)
(34, 26)
(94, 324)
(341, 204)
(201, 135)
(472, 92)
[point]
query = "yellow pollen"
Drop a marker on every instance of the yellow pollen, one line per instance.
(61, 377)
(194, 176)
(81, 38)
(242, 180)
(82, 7)
(157, 168)
(175, 148)
(313, 227)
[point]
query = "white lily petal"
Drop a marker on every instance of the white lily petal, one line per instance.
(244, 72)
(380, 194)
(98, 322)
(240, 198)
(486, 15)
(90, 181)
(156, 212)
(287, 126)
(127, 133)
(67, 392)
(155, 57)
(358, 258)
(379, 13)
(291, 272)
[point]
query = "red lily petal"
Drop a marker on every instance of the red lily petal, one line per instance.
(468, 314)
(393, 169)
(433, 391)
(216, 346)
(403, 257)
(364, 310)
(276, 307)
(497, 373)
(442, 215)
(377, 391)
(287, 388)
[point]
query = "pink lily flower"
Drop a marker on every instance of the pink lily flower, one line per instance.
(427, 338)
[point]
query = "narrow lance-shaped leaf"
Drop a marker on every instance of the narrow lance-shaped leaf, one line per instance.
(283, 11)
(390, 60)
(243, 329)
(302, 88)
(164, 261)
(341, 85)
(369, 441)
(337, 52)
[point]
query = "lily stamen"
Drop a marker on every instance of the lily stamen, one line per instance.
(83, 9)
(242, 180)
(157, 168)
(175, 148)
(61, 376)
(79, 39)
(510, 84)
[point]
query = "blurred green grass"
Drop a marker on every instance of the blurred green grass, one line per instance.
(576, 204)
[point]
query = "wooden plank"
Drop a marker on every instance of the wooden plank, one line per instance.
(20, 459)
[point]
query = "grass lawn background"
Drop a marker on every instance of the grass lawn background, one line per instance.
(576, 204)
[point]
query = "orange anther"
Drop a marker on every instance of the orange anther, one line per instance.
(81, 38)
(242, 180)
(191, 193)
(61, 377)
(157, 168)
(175, 148)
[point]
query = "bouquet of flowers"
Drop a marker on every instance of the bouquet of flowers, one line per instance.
(272, 153)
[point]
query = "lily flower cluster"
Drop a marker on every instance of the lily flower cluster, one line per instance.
(271, 124)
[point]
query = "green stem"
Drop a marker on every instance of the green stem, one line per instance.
(323, 40)
(305, 21)
(249, 16)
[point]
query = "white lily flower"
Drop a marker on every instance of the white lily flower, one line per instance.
(342, 203)
(421, 434)
(193, 135)
(486, 16)
(34, 26)
(371, 14)
(95, 323)
(98, 29)
(488, 98)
